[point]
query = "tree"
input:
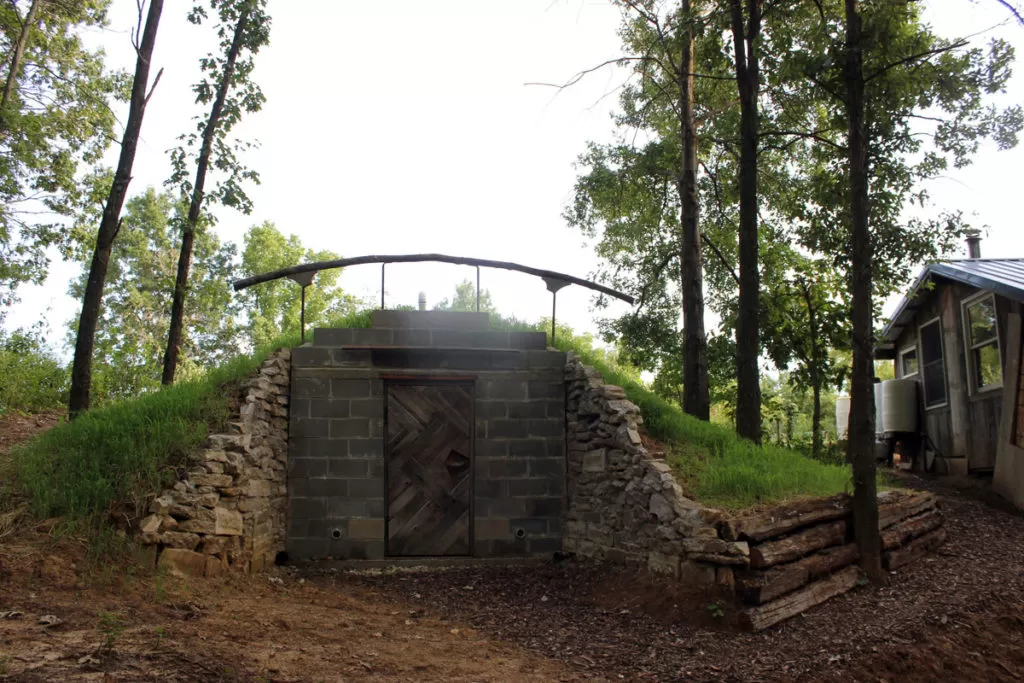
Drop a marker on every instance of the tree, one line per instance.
(133, 318)
(54, 116)
(244, 29)
(745, 21)
(273, 308)
(81, 371)
(465, 299)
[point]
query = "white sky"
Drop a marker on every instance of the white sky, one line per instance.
(405, 126)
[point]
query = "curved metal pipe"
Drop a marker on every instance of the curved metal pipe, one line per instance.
(418, 258)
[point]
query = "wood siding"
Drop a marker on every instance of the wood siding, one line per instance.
(968, 424)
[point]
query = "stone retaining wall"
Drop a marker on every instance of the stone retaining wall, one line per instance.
(229, 510)
(625, 506)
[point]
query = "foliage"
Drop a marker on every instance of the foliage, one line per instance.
(273, 308)
(114, 457)
(243, 96)
(465, 299)
(58, 118)
(34, 378)
(133, 315)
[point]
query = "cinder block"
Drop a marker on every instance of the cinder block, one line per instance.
(508, 429)
(329, 408)
(527, 410)
(366, 529)
(366, 448)
(528, 340)
(310, 387)
(491, 448)
(402, 337)
(376, 508)
(328, 448)
(312, 487)
(306, 548)
(310, 357)
(491, 528)
(490, 339)
(351, 358)
(332, 336)
(458, 339)
(503, 389)
(543, 546)
(365, 488)
(308, 427)
(555, 409)
(348, 469)
(508, 360)
(347, 428)
(371, 407)
(500, 468)
(530, 525)
(307, 508)
(545, 389)
(545, 467)
(371, 337)
(545, 507)
(546, 428)
(298, 447)
(546, 360)
(307, 468)
(490, 410)
(527, 487)
(431, 320)
(350, 388)
(489, 489)
(299, 408)
(527, 448)
(340, 508)
(503, 507)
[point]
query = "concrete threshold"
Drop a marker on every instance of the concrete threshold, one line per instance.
(412, 564)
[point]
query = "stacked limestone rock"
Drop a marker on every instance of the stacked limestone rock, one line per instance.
(624, 505)
(230, 509)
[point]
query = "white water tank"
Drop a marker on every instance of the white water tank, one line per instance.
(842, 416)
(899, 405)
(879, 402)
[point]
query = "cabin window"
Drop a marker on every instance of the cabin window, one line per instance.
(908, 362)
(933, 370)
(981, 338)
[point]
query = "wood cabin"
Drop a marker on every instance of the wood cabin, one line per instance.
(958, 332)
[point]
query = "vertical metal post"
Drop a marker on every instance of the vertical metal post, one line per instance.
(478, 289)
(302, 314)
(382, 286)
(554, 299)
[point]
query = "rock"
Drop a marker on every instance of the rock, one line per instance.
(151, 524)
(161, 505)
(228, 522)
(214, 480)
(660, 508)
(595, 460)
(179, 562)
(716, 550)
(178, 540)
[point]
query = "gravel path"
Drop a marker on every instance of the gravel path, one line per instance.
(964, 602)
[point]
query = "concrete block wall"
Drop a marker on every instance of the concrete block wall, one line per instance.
(336, 470)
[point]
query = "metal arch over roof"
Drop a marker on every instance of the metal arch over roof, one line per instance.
(547, 275)
(1004, 276)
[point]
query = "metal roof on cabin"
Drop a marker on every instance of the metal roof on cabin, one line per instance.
(1004, 276)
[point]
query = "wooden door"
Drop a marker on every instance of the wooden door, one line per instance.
(430, 468)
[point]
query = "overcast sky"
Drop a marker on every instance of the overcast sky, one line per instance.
(406, 126)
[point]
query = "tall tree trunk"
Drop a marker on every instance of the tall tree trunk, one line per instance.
(696, 393)
(815, 364)
(188, 236)
(81, 370)
(18, 55)
(748, 345)
(862, 395)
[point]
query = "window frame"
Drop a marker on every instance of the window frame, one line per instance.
(969, 349)
(942, 358)
(903, 368)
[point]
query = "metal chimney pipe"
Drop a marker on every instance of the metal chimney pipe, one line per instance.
(423, 301)
(974, 244)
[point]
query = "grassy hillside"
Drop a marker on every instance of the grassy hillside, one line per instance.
(116, 456)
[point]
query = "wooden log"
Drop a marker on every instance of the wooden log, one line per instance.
(916, 549)
(759, 618)
(902, 507)
(758, 587)
(781, 519)
(899, 534)
(797, 545)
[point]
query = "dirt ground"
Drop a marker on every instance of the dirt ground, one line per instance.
(958, 615)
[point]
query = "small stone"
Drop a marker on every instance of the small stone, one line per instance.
(151, 524)
(660, 508)
(180, 562)
(228, 522)
(161, 505)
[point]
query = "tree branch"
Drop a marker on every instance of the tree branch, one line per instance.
(913, 58)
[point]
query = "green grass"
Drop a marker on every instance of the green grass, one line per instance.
(112, 459)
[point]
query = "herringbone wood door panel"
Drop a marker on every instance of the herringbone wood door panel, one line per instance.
(430, 473)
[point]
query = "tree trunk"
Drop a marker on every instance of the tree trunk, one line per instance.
(815, 368)
(862, 395)
(174, 333)
(19, 53)
(81, 369)
(696, 396)
(748, 346)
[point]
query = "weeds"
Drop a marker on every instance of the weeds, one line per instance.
(111, 626)
(715, 609)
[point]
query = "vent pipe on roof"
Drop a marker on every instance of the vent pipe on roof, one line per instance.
(974, 244)
(423, 301)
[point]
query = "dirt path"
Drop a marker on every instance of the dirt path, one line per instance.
(958, 615)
